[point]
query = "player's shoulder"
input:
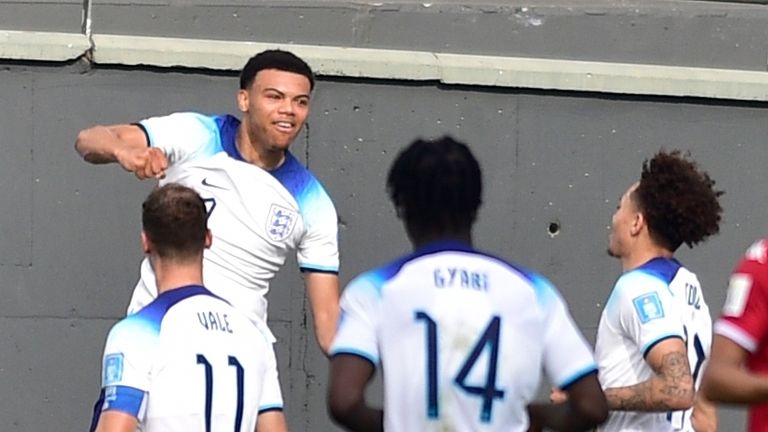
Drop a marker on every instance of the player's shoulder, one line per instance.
(748, 281)
(646, 287)
(183, 118)
(371, 282)
(757, 253)
(303, 185)
(150, 317)
(515, 275)
(546, 292)
(752, 269)
(655, 274)
(374, 280)
(661, 268)
(134, 330)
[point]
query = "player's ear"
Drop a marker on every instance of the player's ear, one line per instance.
(638, 222)
(208, 238)
(242, 100)
(146, 244)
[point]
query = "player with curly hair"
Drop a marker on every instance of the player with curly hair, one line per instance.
(655, 331)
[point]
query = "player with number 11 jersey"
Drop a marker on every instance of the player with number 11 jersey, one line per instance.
(189, 361)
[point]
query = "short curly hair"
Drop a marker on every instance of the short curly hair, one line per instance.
(275, 59)
(679, 201)
(436, 185)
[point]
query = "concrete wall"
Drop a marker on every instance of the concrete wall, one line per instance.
(551, 159)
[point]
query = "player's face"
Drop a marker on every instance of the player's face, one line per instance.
(621, 224)
(275, 108)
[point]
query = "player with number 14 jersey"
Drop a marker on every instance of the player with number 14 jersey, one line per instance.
(461, 337)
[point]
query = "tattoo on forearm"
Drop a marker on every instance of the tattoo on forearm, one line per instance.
(671, 383)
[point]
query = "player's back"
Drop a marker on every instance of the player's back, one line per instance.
(201, 363)
(255, 224)
(462, 342)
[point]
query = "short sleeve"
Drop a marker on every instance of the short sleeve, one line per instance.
(647, 310)
(271, 395)
(126, 366)
(183, 136)
(567, 355)
(318, 249)
(357, 333)
(745, 312)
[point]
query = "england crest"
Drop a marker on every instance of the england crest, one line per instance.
(280, 222)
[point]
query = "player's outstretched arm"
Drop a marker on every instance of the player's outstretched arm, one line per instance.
(125, 144)
(584, 408)
(727, 380)
(116, 421)
(323, 292)
(669, 389)
(350, 374)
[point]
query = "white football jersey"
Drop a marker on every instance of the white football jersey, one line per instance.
(188, 362)
(462, 338)
(656, 301)
(256, 217)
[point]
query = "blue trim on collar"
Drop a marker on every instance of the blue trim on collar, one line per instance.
(664, 268)
(228, 125)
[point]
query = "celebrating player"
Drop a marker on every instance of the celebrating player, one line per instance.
(655, 331)
(250, 248)
(460, 335)
(738, 368)
(188, 361)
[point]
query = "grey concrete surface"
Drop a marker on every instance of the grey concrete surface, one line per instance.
(41, 15)
(552, 161)
(684, 33)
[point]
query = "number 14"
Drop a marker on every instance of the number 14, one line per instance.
(488, 392)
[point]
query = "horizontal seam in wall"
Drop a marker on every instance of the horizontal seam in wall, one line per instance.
(447, 68)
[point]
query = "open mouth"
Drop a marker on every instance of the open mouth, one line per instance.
(285, 126)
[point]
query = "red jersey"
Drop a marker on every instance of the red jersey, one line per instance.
(744, 319)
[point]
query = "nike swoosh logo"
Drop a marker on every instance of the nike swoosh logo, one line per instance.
(205, 183)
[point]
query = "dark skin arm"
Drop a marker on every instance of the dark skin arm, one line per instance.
(350, 375)
(584, 408)
(726, 378)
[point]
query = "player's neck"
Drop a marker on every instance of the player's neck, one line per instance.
(172, 275)
(255, 153)
(420, 240)
(642, 255)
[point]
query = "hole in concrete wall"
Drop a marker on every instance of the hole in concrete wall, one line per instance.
(553, 229)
